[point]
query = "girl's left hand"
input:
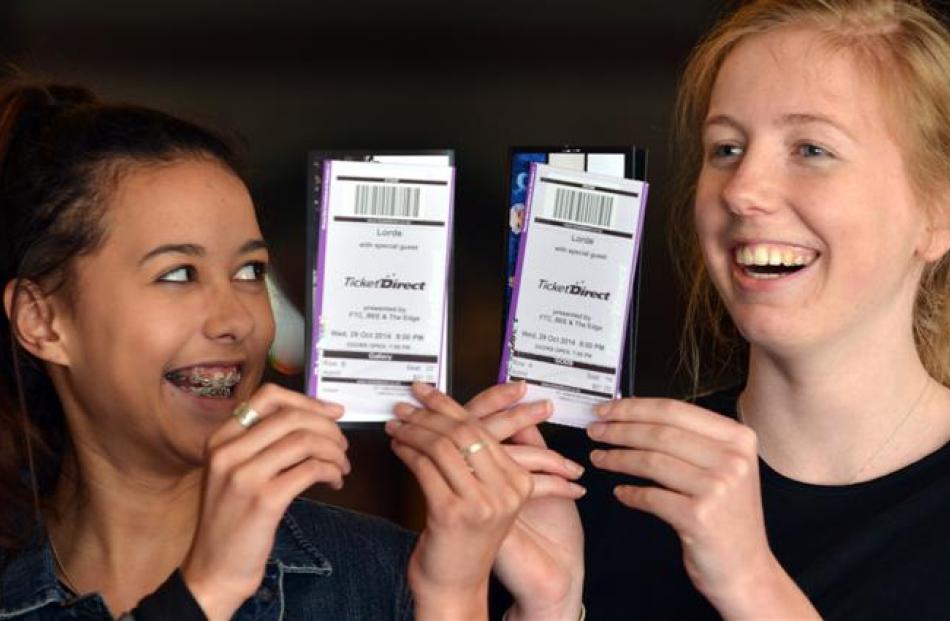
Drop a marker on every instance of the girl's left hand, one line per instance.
(541, 561)
(473, 492)
(706, 469)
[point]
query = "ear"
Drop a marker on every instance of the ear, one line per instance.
(936, 241)
(33, 318)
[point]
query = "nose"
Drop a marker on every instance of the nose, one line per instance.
(229, 318)
(752, 185)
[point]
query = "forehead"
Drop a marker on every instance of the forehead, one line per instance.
(187, 201)
(798, 71)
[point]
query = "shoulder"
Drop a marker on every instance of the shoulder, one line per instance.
(335, 530)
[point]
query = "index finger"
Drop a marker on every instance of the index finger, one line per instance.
(669, 412)
(506, 424)
(495, 398)
(437, 401)
(270, 399)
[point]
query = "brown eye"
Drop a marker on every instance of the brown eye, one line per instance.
(255, 270)
(180, 274)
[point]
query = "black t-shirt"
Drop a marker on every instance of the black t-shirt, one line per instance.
(873, 550)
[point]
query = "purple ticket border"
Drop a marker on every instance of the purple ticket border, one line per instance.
(449, 249)
(314, 378)
(519, 265)
(633, 273)
(513, 311)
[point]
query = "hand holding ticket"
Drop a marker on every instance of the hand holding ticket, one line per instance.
(573, 285)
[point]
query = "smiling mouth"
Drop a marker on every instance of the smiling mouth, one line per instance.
(771, 261)
(206, 381)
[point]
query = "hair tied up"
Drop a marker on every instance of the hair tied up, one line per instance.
(70, 95)
(30, 105)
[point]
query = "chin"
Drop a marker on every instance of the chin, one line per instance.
(775, 332)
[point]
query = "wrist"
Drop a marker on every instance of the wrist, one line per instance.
(765, 591)
(568, 607)
(574, 612)
(436, 597)
(435, 604)
(217, 603)
(562, 604)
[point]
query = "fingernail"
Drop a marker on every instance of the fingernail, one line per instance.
(392, 426)
(574, 468)
(596, 456)
(335, 408)
(604, 408)
(580, 490)
(423, 388)
(596, 430)
(403, 410)
(542, 408)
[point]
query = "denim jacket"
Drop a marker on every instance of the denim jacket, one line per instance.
(327, 564)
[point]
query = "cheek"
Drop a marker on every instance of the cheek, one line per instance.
(267, 325)
(711, 222)
(709, 216)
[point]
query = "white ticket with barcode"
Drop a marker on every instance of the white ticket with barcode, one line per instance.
(382, 271)
(572, 290)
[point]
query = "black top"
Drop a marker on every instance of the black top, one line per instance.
(172, 600)
(873, 550)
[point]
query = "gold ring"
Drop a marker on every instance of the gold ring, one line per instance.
(471, 449)
(246, 415)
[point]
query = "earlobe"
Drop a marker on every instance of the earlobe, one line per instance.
(937, 241)
(32, 317)
(935, 246)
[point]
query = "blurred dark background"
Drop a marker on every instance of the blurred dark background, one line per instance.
(477, 77)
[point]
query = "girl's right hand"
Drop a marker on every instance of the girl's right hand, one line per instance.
(251, 477)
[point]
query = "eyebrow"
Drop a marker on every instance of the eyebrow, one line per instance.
(798, 118)
(806, 119)
(194, 250)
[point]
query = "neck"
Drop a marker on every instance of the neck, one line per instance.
(851, 412)
(121, 533)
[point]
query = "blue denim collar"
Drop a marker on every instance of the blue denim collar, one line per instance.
(29, 581)
(293, 551)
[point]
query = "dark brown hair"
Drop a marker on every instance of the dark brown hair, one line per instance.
(61, 152)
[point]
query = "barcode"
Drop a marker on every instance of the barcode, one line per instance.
(583, 207)
(387, 200)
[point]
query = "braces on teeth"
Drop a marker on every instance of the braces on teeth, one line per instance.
(211, 391)
(217, 385)
(219, 380)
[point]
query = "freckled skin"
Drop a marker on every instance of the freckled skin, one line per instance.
(840, 188)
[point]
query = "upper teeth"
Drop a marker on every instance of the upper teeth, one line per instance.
(771, 254)
(218, 377)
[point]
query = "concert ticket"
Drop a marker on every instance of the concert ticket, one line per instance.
(380, 293)
(572, 289)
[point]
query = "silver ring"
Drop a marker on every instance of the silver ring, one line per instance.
(246, 415)
(471, 449)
